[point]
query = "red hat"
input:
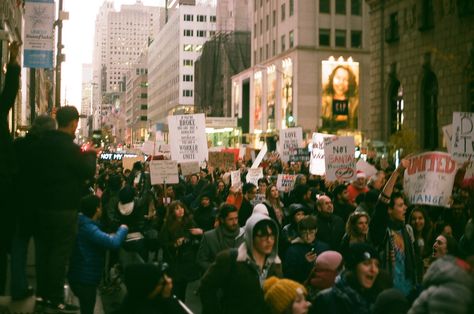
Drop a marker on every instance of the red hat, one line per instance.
(361, 174)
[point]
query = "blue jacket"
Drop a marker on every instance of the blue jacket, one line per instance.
(87, 260)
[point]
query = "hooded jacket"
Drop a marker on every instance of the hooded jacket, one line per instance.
(447, 289)
(238, 277)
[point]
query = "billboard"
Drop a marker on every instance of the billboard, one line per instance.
(340, 94)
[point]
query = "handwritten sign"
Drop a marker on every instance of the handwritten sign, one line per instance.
(235, 179)
(222, 160)
(187, 137)
(339, 158)
(300, 154)
(286, 182)
(164, 171)
(429, 179)
(317, 165)
(188, 168)
(463, 136)
(290, 139)
(253, 175)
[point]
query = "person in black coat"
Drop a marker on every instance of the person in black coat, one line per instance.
(7, 159)
(60, 171)
(330, 227)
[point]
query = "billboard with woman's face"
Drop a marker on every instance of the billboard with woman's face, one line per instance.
(340, 96)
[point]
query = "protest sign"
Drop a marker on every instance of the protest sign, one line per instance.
(429, 179)
(188, 168)
(253, 175)
(463, 136)
(235, 179)
(286, 182)
(366, 168)
(339, 158)
(260, 156)
(164, 171)
(300, 154)
(222, 160)
(187, 137)
(127, 162)
(317, 166)
(290, 139)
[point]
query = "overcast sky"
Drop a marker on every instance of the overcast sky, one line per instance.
(78, 39)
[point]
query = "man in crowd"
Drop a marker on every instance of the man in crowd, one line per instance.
(249, 191)
(60, 172)
(330, 227)
(357, 186)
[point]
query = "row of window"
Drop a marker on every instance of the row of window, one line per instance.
(291, 8)
(199, 33)
(187, 93)
(291, 44)
(340, 38)
(340, 7)
(199, 18)
(190, 48)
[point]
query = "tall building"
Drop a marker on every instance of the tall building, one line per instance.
(422, 68)
(121, 36)
(233, 15)
(86, 101)
(298, 47)
(171, 58)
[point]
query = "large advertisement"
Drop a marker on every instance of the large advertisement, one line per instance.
(340, 95)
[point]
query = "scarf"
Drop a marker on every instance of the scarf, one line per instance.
(227, 238)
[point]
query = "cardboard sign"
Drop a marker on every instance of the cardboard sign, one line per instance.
(317, 165)
(286, 182)
(188, 168)
(339, 158)
(187, 137)
(260, 156)
(222, 160)
(463, 136)
(366, 168)
(127, 162)
(429, 179)
(253, 175)
(290, 140)
(164, 172)
(235, 178)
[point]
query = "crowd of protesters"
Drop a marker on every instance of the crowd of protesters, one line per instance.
(321, 247)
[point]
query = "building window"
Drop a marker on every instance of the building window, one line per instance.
(291, 37)
(188, 32)
(292, 7)
(254, 30)
(188, 62)
(143, 95)
(212, 33)
(266, 51)
(283, 43)
(261, 27)
(187, 93)
(267, 22)
(426, 20)
(340, 38)
(261, 54)
(187, 78)
(429, 107)
(356, 7)
(324, 37)
(283, 13)
(188, 17)
(391, 32)
(340, 6)
(324, 6)
(188, 47)
(201, 18)
(198, 48)
(396, 105)
(201, 33)
(274, 49)
(143, 118)
(143, 107)
(274, 14)
(212, 18)
(356, 39)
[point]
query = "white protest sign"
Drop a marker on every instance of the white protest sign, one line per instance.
(188, 168)
(235, 178)
(286, 182)
(164, 171)
(290, 139)
(447, 136)
(463, 136)
(317, 165)
(366, 168)
(339, 158)
(429, 179)
(253, 175)
(260, 156)
(187, 137)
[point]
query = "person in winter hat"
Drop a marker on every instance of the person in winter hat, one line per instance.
(285, 296)
(323, 275)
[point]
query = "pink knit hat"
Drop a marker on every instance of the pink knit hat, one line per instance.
(328, 260)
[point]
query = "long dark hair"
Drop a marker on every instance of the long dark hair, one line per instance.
(171, 224)
(427, 232)
(353, 89)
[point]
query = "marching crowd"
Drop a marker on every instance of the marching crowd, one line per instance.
(321, 247)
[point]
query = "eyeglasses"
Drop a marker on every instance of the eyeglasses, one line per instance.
(308, 232)
(266, 237)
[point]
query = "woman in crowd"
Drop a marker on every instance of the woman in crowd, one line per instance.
(355, 290)
(357, 230)
(285, 296)
(423, 231)
(274, 204)
(180, 241)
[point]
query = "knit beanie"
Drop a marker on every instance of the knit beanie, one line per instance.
(281, 293)
(358, 253)
(328, 260)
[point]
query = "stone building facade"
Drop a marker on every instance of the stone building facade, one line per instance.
(422, 67)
